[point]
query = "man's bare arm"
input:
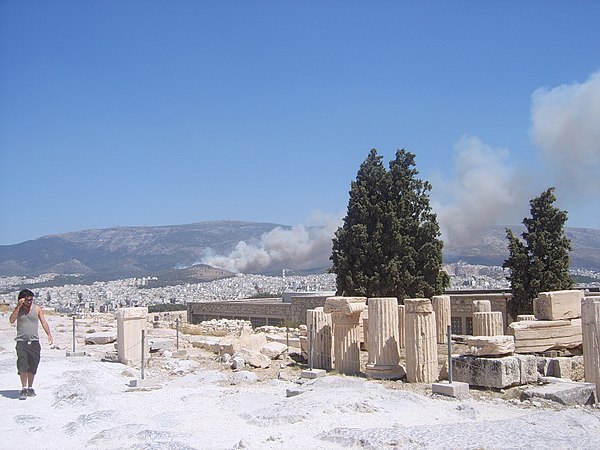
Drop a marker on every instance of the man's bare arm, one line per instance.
(44, 324)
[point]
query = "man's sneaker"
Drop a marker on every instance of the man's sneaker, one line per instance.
(23, 394)
(30, 392)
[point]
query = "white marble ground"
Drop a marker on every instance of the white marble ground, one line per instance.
(85, 403)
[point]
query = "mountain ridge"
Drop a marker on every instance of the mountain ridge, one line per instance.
(123, 252)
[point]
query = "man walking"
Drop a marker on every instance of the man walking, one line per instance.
(27, 315)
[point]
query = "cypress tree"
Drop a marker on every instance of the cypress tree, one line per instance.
(357, 245)
(388, 244)
(540, 262)
(414, 251)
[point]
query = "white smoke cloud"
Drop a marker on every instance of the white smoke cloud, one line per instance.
(566, 129)
(302, 247)
(486, 190)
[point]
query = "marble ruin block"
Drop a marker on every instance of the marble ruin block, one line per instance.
(538, 336)
(320, 338)
(496, 373)
(421, 341)
(441, 308)
(590, 318)
(346, 318)
(382, 344)
(491, 345)
(567, 367)
(487, 324)
(482, 306)
(525, 317)
(130, 324)
(401, 326)
(558, 305)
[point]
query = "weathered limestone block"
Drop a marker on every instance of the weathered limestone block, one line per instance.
(101, 337)
(496, 373)
(525, 317)
(401, 326)
(491, 345)
(558, 305)
(563, 392)
(540, 335)
(274, 350)
(320, 332)
(487, 323)
(569, 367)
(421, 341)
(345, 317)
(253, 358)
(384, 354)
(482, 306)
(345, 305)
(590, 317)
(130, 324)
(441, 308)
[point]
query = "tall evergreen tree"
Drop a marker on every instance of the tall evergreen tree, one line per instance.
(540, 262)
(414, 251)
(388, 244)
(357, 245)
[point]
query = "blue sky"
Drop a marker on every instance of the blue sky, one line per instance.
(127, 113)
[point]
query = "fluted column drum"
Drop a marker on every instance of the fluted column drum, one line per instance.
(487, 324)
(590, 329)
(482, 306)
(421, 341)
(441, 308)
(384, 354)
(346, 317)
(319, 330)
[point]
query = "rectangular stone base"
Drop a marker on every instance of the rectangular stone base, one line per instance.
(454, 389)
(496, 373)
(72, 353)
(314, 373)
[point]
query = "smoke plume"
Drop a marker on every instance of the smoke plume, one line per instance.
(303, 247)
(486, 190)
(566, 129)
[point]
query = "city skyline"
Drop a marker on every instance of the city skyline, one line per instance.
(161, 113)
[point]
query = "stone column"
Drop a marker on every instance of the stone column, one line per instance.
(345, 317)
(383, 331)
(487, 324)
(482, 306)
(590, 330)
(401, 326)
(319, 333)
(421, 341)
(441, 308)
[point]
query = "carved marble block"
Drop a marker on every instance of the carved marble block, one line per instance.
(558, 305)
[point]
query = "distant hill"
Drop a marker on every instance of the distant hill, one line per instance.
(491, 248)
(173, 252)
(124, 252)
